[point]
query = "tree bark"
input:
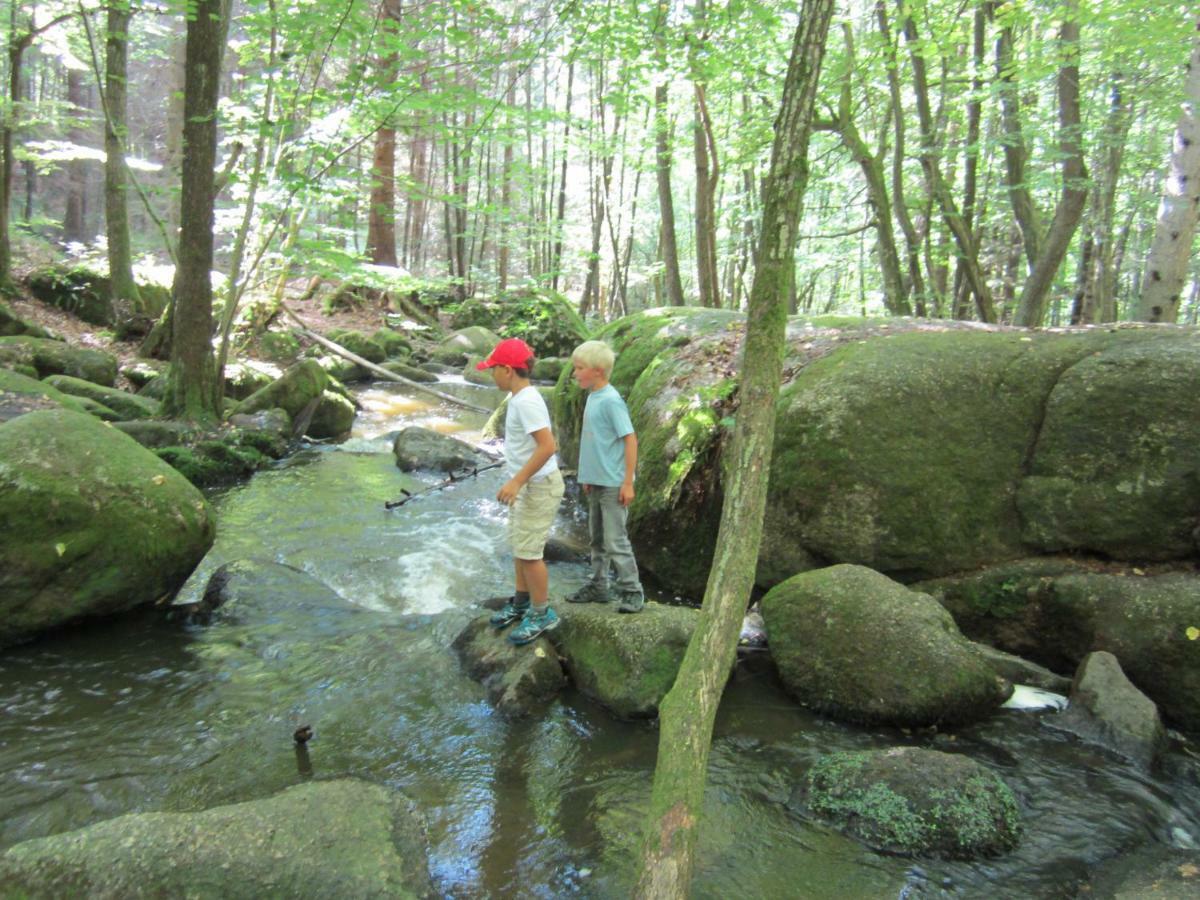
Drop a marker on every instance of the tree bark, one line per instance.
(1024, 209)
(1166, 266)
(688, 711)
(116, 213)
(1031, 305)
(192, 382)
(75, 211)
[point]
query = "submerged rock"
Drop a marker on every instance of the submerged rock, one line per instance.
(855, 645)
(341, 838)
(916, 802)
(91, 523)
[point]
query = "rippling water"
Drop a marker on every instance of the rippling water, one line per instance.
(137, 714)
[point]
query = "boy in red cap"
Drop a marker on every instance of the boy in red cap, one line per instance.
(533, 490)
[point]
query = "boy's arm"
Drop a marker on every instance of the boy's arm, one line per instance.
(546, 447)
(625, 494)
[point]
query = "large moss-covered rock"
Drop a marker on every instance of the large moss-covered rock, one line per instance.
(74, 289)
(474, 340)
(292, 391)
(916, 802)
(20, 394)
(626, 662)
(11, 324)
(91, 523)
(332, 418)
(1116, 470)
(917, 448)
(123, 403)
(856, 645)
(545, 320)
(49, 357)
(341, 838)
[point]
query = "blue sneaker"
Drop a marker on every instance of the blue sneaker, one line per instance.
(533, 625)
(507, 614)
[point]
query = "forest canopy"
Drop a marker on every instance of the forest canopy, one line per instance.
(1003, 161)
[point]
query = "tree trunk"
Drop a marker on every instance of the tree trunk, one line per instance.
(75, 211)
(707, 177)
(381, 210)
(116, 213)
(1031, 306)
(1166, 266)
(1024, 209)
(191, 388)
(561, 215)
(688, 711)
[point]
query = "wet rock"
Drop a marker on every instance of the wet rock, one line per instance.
(625, 662)
(422, 448)
(1151, 872)
(91, 523)
(332, 418)
(343, 838)
(1107, 709)
(1023, 671)
(916, 802)
(855, 645)
(518, 680)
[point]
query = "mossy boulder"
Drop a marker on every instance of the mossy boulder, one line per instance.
(459, 345)
(20, 394)
(1116, 469)
(394, 344)
(551, 368)
(412, 373)
(518, 679)
(12, 324)
(369, 842)
(292, 391)
(124, 404)
(916, 802)
(50, 357)
(279, 346)
(74, 289)
(359, 344)
(546, 320)
(141, 372)
(91, 523)
(855, 645)
(625, 662)
(244, 378)
(333, 417)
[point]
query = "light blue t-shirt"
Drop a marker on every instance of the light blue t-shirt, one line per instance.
(601, 445)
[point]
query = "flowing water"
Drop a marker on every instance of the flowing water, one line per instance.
(138, 714)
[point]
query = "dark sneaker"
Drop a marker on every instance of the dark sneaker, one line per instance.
(507, 614)
(632, 602)
(533, 625)
(592, 592)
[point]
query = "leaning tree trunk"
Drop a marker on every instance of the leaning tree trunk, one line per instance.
(1166, 266)
(688, 711)
(116, 214)
(192, 382)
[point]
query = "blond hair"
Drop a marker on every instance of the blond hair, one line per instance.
(595, 355)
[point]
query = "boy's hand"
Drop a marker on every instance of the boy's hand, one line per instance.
(625, 494)
(508, 492)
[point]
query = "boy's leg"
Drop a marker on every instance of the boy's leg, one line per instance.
(619, 549)
(534, 514)
(596, 590)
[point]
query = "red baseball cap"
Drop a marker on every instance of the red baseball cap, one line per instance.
(512, 352)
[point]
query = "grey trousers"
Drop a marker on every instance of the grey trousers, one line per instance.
(610, 541)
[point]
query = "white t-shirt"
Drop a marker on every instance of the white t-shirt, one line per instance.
(526, 414)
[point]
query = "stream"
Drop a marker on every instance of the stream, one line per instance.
(138, 714)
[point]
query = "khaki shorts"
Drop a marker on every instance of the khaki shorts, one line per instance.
(531, 516)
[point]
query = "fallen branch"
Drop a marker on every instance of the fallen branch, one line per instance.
(451, 479)
(378, 370)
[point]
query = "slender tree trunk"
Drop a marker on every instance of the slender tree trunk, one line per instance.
(707, 178)
(75, 212)
(116, 212)
(1015, 154)
(191, 388)
(381, 214)
(688, 711)
(561, 214)
(1166, 266)
(1031, 306)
